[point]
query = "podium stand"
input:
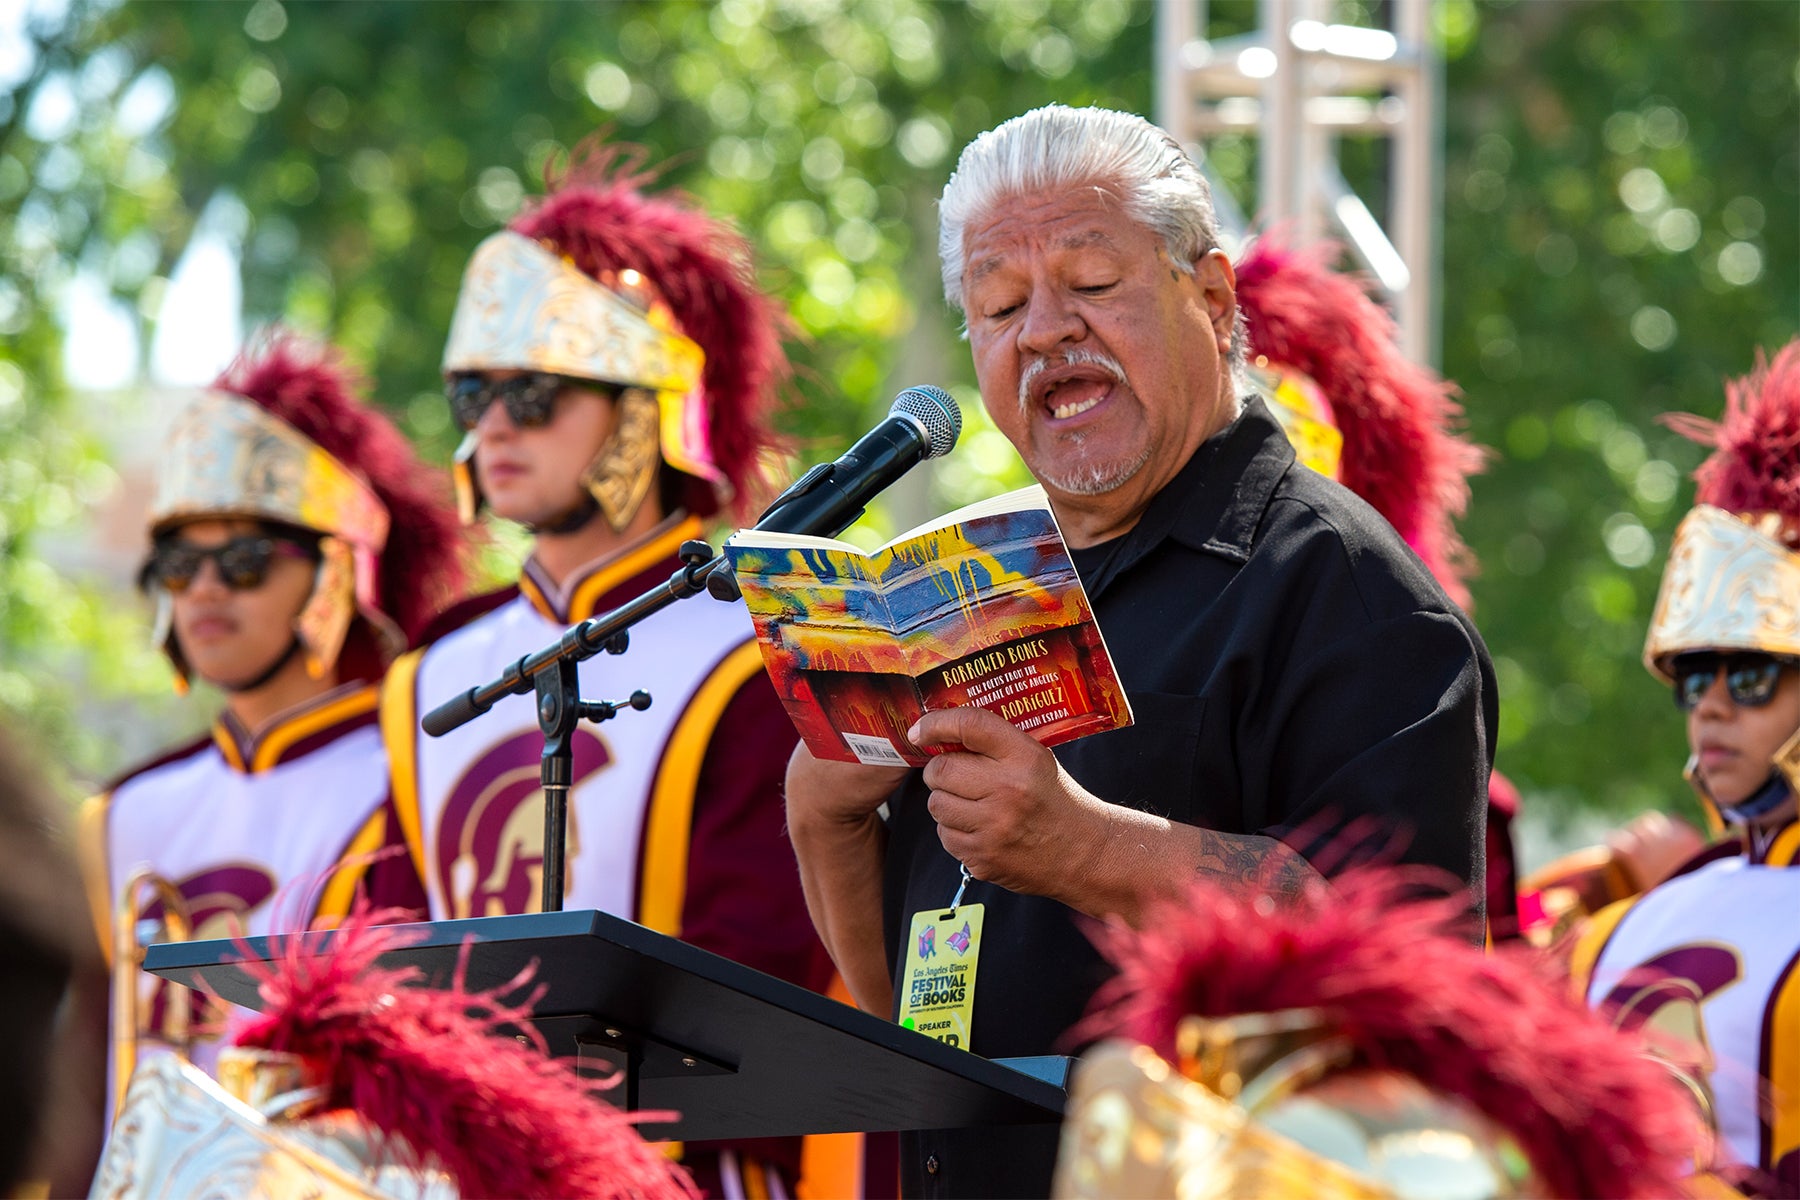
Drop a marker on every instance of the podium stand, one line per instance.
(736, 1053)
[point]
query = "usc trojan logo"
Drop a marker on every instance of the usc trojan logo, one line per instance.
(490, 845)
(1665, 997)
(220, 901)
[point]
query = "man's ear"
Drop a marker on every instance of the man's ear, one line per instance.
(1218, 287)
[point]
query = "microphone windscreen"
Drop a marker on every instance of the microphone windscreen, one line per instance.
(935, 411)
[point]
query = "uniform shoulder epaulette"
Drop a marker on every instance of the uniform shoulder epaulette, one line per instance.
(464, 611)
(185, 750)
(1730, 847)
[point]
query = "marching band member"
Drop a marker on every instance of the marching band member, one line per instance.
(612, 366)
(1713, 953)
(295, 543)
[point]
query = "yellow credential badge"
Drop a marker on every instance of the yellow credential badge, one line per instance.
(939, 983)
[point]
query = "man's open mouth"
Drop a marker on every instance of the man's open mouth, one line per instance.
(1068, 394)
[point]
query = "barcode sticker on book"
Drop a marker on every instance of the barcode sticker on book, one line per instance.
(873, 751)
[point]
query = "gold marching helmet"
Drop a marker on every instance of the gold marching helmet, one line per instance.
(1300, 407)
(647, 297)
(263, 1131)
(228, 457)
(1731, 584)
(1347, 1044)
(284, 436)
(524, 308)
(1259, 1106)
(1733, 578)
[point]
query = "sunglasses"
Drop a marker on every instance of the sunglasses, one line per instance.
(530, 400)
(243, 562)
(1750, 678)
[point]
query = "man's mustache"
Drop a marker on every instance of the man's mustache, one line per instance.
(1074, 357)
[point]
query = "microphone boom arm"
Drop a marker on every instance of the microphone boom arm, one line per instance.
(580, 642)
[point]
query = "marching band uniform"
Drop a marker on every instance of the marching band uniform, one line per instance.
(236, 844)
(1722, 935)
(278, 828)
(1711, 958)
(675, 814)
(669, 804)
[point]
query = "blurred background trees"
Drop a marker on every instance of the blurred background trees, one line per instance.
(1621, 228)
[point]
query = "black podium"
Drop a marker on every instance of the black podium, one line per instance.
(736, 1053)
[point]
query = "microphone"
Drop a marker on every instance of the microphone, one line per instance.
(924, 422)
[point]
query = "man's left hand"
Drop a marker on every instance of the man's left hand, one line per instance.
(1004, 806)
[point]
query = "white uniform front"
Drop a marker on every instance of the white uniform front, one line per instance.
(1725, 935)
(252, 833)
(471, 803)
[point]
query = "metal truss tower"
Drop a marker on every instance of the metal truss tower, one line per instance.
(1299, 84)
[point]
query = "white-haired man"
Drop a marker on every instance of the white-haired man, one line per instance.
(1301, 684)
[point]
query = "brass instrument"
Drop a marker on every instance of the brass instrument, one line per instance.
(177, 925)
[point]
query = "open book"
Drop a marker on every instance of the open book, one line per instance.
(980, 607)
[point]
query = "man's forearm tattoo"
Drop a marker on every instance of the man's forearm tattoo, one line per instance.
(1261, 863)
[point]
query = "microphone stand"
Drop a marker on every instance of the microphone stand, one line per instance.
(551, 673)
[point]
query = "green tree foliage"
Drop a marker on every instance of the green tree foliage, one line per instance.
(371, 146)
(61, 205)
(356, 154)
(1620, 231)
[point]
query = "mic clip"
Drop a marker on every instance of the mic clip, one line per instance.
(720, 583)
(818, 474)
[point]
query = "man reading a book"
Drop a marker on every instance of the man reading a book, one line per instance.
(1304, 692)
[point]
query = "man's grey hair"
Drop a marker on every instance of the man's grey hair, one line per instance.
(1057, 147)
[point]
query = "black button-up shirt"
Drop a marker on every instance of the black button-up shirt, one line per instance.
(1294, 671)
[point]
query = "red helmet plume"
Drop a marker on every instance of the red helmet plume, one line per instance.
(1400, 452)
(1755, 464)
(441, 1074)
(1594, 1116)
(597, 217)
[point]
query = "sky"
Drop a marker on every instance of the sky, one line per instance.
(199, 328)
(199, 332)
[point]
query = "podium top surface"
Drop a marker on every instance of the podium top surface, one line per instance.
(736, 1053)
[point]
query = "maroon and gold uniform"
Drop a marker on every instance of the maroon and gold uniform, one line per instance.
(220, 819)
(1721, 937)
(1709, 960)
(271, 829)
(674, 820)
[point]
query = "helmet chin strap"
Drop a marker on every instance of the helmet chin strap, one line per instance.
(274, 669)
(1766, 799)
(573, 521)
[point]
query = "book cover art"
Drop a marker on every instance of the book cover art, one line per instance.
(985, 611)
